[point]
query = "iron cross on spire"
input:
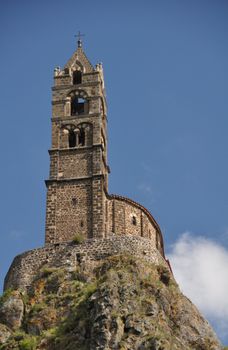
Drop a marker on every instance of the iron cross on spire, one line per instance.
(79, 36)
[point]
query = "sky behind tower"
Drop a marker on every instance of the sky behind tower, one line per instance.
(166, 76)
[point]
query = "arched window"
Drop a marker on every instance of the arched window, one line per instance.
(84, 134)
(134, 221)
(77, 135)
(77, 77)
(81, 137)
(72, 139)
(79, 102)
(77, 105)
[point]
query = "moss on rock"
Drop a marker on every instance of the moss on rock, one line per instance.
(118, 303)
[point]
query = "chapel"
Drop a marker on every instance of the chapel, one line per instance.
(78, 201)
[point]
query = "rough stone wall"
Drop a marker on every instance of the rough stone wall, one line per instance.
(125, 217)
(73, 210)
(69, 210)
(54, 134)
(88, 78)
(50, 222)
(25, 266)
(58, 108)
(82, 160)
(63, 80)
(85, 184)
(98, 207)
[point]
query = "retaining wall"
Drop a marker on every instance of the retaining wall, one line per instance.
(26, 265)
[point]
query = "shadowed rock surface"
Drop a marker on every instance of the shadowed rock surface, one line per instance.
(121, 302)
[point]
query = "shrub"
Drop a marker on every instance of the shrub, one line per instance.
(54, 281)
(90, 289)
(29, 343)
(50, 333)
(78, 238)
(19, 335)
(164, 274)
(37, 308)
(5, 295)
(47, 271)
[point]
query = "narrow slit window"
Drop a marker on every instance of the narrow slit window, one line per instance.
(74, 201)
(157, 240)
(134, 221)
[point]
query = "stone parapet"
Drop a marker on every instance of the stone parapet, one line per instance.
(25, 266)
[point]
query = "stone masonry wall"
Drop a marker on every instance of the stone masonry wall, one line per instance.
(126, 217)
(26, 265)
(82, 160)
(69, 210)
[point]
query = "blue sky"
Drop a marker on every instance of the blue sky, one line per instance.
(166, 75)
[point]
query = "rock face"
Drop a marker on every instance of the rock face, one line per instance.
(119, 302)
(12, 310)
(5, 333)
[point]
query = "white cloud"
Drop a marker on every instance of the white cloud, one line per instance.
(145, 188)
(147, 191)
(200, 266)
(16, 234)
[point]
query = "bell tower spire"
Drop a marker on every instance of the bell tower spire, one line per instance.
(78, 178)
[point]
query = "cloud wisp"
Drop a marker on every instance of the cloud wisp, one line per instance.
(16, 234)
(200, 266)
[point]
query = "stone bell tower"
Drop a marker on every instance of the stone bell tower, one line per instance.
(78, 178)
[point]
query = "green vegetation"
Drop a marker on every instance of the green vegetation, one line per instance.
(21, 341)
(49, 333)
(28, 343)
(36, 308)
(54, 280)
(164, 274)
(68, 333)
(47, 271)
(78, 238)
(76, 309)
(5, 296)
